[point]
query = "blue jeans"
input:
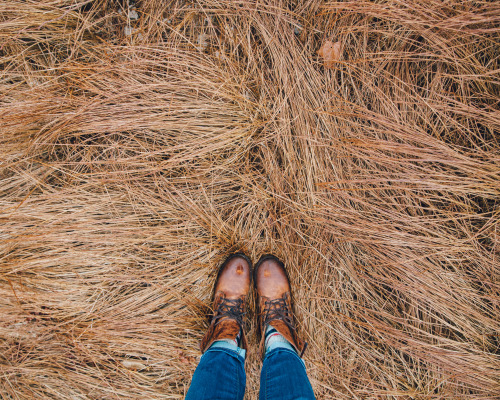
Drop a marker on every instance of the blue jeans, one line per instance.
(220, 375)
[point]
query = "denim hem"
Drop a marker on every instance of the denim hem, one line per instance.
(223, 344)
(279, 343)
(238, 354)
(283, 349)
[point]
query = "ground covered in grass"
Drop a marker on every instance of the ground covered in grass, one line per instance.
(141, 143)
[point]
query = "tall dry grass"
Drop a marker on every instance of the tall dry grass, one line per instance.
(130, 165)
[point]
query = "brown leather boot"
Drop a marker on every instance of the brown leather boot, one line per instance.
(229, 301)
(274, 299)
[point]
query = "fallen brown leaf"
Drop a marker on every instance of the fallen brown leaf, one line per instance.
(330, 52)
(133, 365)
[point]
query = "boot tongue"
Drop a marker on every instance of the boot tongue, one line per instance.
(284, 330)
(226, 329)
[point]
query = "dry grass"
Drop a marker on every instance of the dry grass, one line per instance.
(131, 165)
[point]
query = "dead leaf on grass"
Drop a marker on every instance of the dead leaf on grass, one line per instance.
(330, 52)
(133, 365)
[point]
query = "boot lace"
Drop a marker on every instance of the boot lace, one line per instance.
(278, 309)
(230, 308)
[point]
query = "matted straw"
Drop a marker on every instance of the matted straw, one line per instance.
(141, 143)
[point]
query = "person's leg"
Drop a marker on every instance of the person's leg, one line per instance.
(284, 377)
(220, 374)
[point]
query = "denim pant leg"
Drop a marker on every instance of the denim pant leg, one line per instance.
(284, 377)
(219, 375)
